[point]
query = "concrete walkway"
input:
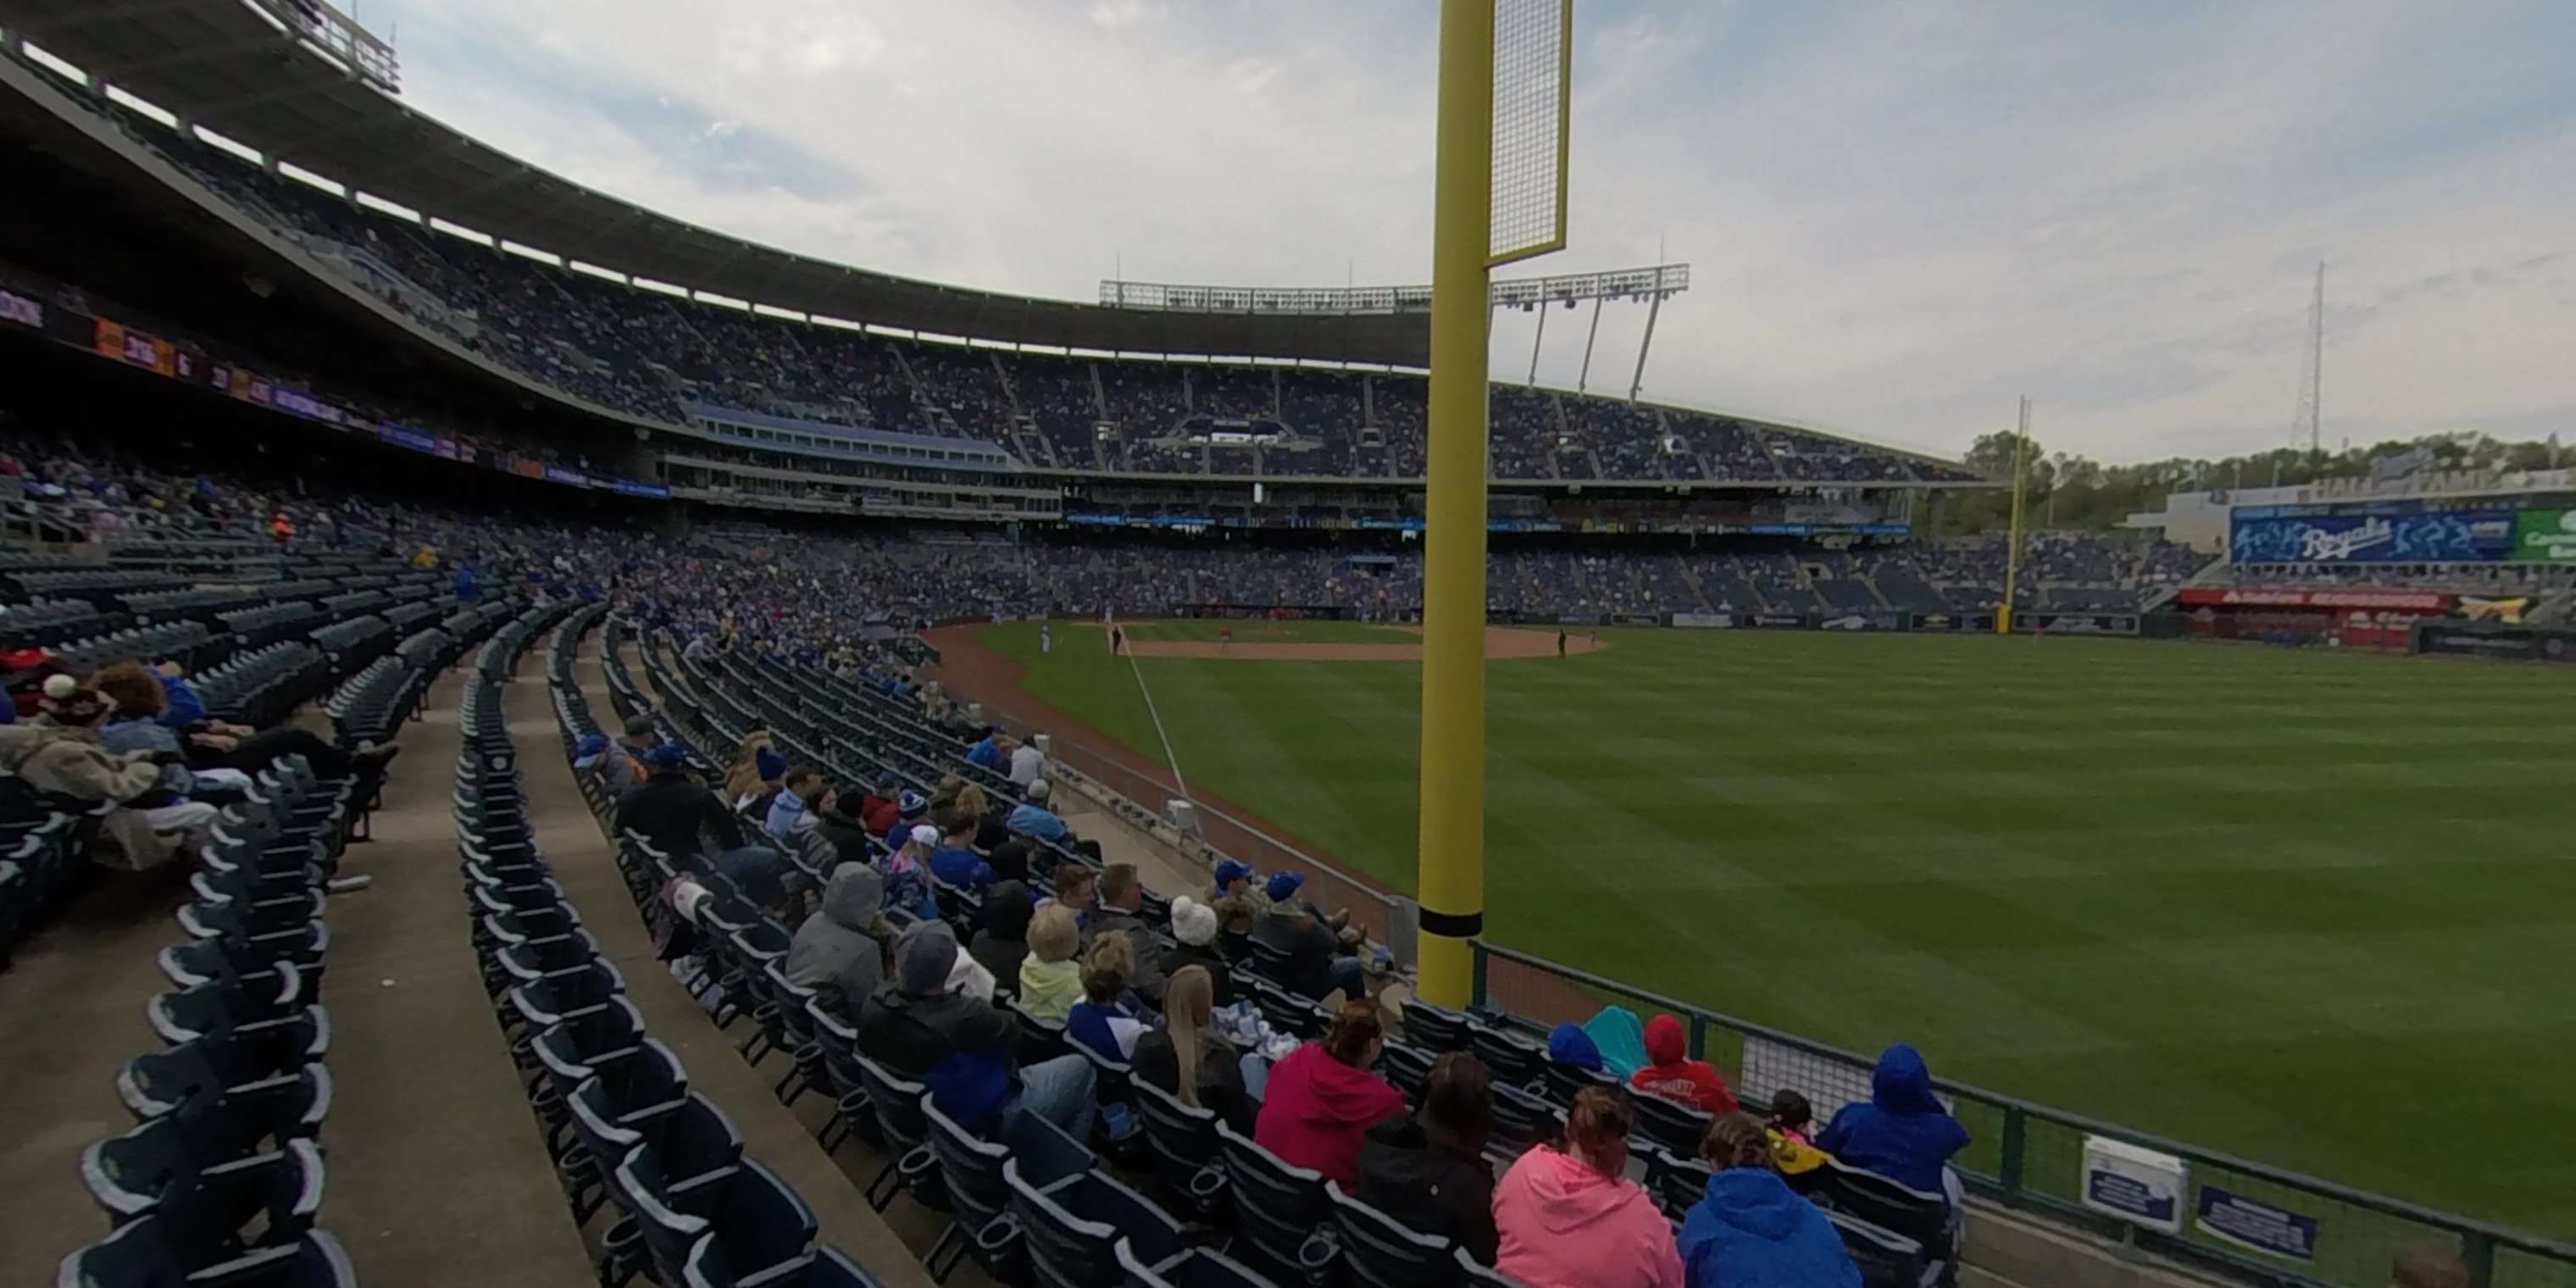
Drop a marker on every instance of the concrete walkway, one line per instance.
(439, 1172)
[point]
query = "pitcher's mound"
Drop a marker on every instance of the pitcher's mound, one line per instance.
(1500, 642)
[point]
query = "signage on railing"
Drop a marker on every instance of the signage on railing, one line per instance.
(2139, 1185)
(2257, 1226)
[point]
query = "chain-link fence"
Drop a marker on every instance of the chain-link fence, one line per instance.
(2031, 1157)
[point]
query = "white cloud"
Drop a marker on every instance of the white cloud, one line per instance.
(1900, 215)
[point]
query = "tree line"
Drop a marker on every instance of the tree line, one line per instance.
(2076, 492)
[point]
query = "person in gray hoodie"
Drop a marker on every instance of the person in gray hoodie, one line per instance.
(841, 947)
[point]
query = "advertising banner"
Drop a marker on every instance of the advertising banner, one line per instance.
(21, 310)
(1705, 621)
(1862, 622)
(2454, 536)
(2545, 536)
(2508, 609)
(140, 348)
(2422, 601)
(1954, 621)
(2488, 639)
(2082, 623)
(1775, 621)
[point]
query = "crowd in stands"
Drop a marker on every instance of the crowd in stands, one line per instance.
(648, 355)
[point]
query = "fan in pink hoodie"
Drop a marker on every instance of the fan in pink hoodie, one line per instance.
(1573, 1219)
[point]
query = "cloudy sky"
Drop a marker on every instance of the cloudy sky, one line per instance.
(1899, 215)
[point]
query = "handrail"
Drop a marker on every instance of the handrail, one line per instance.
(2479, 1239)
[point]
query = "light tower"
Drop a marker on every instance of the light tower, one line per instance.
(2308, 422)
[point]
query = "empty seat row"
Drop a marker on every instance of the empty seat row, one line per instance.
(618, 1118)
(220, 1181)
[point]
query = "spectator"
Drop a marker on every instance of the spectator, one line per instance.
(963, 1050)
(1620, 1039)
(1314, 966)
(1121, 894)
(1571, 1218)
(955, 860)
(745, 777)
(1189, 1059)
(1901, 1132)
(1073, 888)
(60, 751)
(1194, 944)
(1049, 981)
(1792, 1150)
(1428, 1171)
(847, 832)
(907, 873)
(682, 820)
(1028, 764)
(1033, 818)
(1751, 1230)
(879, 808)
(1102, 1020)
(1675, 1076)
(1009, 861)
(840, 950)
(1232, 891)
(626, 768)
(910, 812)
(2427, 1267)
(791, 810)
(1569, 1045)
(1003, 943)
(988, 753)
(1322, 1099)
(591, 756)
(991, 833)
(135, 703)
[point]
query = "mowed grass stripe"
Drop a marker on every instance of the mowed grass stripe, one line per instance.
(2242, 896)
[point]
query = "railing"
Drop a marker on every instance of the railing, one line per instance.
(1221, 835)
(2030, 1157)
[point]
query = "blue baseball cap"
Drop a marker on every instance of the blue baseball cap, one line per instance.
(669, 755)
(911, 805)
(1229, 871)
(587, 752)
(1283, 885)
(887, 778)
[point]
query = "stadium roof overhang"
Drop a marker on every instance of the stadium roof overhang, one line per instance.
(222, 65)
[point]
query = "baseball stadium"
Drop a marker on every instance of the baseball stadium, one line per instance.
(801, 775)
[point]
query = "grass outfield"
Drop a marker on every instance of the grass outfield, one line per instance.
(2317, 910)
(1250, 632)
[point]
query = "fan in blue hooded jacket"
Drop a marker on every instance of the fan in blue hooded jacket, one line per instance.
(1751, 1230)
(1901, 1132)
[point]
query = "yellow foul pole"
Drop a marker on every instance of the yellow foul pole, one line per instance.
(2012, 553)
(1452, 877)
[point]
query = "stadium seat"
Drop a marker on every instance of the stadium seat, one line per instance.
(1375, 1250)
(1919, 1216)
(144, 1254)
(1513, 1059)
(1074, 1224)
(1436, 1029)
(1181, 1145)
(763, 1229)
(1886, 1259)
(895, 1104)
(1188, 1268)
(1276, 1206)
(1671, 1126)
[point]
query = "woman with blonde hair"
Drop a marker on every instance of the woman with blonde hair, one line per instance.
(1188, 1058)
(1106, 1019)
(746, 781)
(1049, 981)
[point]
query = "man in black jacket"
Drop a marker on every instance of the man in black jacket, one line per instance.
(963, 1049)
(678, 816)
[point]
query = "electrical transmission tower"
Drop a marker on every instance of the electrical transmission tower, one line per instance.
(2307, 424)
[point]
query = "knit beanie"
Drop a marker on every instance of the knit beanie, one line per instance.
(769, 763)
(1193, 923)
(70, 704)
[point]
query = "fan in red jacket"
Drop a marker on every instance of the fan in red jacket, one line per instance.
(1674, 1075)
(1322, 1099)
